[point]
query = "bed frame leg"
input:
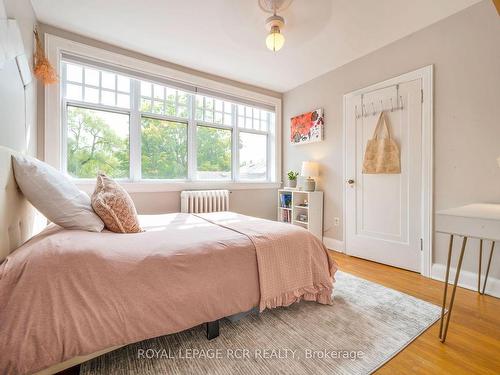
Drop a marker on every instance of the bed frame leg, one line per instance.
(75, 370)
(212, 330)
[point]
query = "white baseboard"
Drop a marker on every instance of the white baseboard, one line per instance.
(333, 244)
(467, 279)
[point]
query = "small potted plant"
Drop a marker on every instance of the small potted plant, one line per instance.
(292, 179)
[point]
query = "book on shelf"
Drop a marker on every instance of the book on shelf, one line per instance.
(285, 200)
(286, 216)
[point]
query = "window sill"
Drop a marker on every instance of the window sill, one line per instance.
(162, 186)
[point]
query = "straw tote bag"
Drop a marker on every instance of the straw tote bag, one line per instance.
(382, 154)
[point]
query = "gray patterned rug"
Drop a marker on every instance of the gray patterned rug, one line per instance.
(367, 325)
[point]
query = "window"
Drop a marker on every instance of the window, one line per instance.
(213, 153)
(97, 141)
(90, 85)
(163, 100)
(253, 156)
(214, 111)
(163, 149)
(141, 129)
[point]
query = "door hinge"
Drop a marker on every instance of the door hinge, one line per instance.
(421, 96)
(421, 244)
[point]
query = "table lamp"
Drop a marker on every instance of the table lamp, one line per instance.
(310, 170)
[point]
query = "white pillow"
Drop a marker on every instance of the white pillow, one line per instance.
(55, 195)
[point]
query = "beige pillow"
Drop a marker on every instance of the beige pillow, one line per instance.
(54, 194)
(114, 206)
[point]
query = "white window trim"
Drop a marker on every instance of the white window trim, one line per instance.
(55, 46)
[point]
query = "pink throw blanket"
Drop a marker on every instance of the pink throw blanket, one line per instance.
(70, 293)
(293, 264)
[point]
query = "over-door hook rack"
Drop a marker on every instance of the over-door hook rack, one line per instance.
(365, 113)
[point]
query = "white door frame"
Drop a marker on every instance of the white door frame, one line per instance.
(426, 75)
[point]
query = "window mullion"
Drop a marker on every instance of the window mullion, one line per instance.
(235, 152)
(64, 119)
(135, 132)
(215, 126)
(268, 148)
(64, 136)
(192, 157)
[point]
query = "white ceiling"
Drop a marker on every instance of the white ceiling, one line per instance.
(227, 37)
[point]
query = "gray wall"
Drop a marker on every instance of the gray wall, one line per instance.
(18, 115)
(258, 202)
(465, 51)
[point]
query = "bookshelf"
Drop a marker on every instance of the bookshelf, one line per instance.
(302, 208)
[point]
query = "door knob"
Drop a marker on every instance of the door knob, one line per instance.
(350, 181)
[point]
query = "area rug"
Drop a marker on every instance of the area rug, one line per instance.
(366, 326)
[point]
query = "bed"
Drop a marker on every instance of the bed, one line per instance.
(68, 296)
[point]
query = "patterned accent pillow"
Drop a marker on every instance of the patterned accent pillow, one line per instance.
(114, 206)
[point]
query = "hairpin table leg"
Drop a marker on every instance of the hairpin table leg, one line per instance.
(479, 271)
(488, 267)
(459, 266)
(450, 249)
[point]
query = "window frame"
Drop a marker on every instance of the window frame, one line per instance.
(136, 115)
(56, 46)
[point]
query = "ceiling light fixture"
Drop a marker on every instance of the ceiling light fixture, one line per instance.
(275, 39)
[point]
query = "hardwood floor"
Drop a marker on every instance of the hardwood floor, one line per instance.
(473, 342)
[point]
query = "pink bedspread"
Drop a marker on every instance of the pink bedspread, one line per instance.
(69, 293)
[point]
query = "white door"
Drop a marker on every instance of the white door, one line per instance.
(383, 211)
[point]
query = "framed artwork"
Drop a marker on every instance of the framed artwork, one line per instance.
(307, 127)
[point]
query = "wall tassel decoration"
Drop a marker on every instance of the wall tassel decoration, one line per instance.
(42, 68)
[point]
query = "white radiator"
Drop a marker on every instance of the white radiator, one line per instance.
(198, 201)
